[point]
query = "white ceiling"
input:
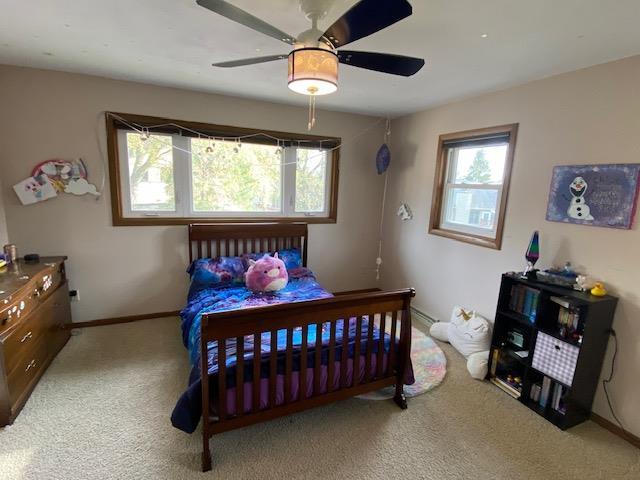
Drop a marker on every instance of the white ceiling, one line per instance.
(173, 42)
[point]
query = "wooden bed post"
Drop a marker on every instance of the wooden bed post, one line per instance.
(404, 352)
(204, 382)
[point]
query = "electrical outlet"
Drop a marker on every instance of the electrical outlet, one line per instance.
(75, 295)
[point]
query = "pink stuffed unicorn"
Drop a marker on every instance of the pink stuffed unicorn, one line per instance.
(267, 274)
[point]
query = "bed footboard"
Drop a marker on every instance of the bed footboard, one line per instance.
(386, 311)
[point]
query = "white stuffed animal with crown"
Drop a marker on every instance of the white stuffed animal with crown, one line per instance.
(470, 334)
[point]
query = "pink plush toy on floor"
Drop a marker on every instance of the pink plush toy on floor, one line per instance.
(268, 274)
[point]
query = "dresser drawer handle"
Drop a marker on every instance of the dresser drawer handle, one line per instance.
(31, 365)
(26, 337)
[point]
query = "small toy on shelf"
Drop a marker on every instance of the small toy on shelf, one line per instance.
(584, 283)
(598, 290)
(563, 277)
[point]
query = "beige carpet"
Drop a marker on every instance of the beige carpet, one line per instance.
(102, 411)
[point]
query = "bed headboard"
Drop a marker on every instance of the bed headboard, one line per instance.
(233, 239)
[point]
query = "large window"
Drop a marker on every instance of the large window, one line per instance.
(471, 185)
(171, 175)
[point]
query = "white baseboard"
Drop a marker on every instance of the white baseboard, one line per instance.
(422, 317)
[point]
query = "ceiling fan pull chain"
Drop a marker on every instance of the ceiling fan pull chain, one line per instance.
(312, 112)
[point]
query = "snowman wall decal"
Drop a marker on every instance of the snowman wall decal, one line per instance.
(578, 209)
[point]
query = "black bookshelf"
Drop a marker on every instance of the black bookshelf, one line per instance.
(570, 326)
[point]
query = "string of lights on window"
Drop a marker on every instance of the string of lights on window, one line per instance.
(146, 131)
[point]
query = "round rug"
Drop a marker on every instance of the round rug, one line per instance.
(429, 368)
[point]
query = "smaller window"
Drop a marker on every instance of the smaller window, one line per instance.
(472, 183)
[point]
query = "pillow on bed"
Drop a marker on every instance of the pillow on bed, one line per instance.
(290, 256)
(214, 272)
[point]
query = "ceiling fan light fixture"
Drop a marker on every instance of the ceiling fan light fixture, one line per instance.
(313, 71)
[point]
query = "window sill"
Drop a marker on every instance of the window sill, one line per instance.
(161, 221)
(494, 244)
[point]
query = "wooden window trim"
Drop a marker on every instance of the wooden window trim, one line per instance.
(435, 220)
(114, 123)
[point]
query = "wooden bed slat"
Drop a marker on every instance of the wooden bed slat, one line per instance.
(356, 353)
(239, 375)
(344, 361)
(273, 368)
(380, 358)
(332, 356)
(302, 377)
(369, 350)
(257, 357)
(318, 360)
(392, 346)
(288, 372)
(222, 379)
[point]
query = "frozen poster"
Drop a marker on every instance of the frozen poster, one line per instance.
(599, 195)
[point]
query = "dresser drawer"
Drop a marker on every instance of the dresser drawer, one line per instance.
(35, 289)
(20, 306)
(27, 369)
(23, 338)
(47, 282)
(555, 358)
(58, 318)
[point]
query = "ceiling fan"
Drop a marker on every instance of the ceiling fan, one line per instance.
(313, 62)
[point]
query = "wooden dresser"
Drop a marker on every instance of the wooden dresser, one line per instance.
(34, 314)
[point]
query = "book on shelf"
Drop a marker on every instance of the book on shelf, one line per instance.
(525, 300)
(555, 398)
(494, 361)
(568, 323)
(534, 393)
(544, 393)
(562, 301)
(506, 387)
(558, 398)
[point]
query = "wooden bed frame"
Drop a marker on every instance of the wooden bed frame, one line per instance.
(210, 240)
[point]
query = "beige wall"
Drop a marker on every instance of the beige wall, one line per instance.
(588, 116)
(130, 270)
(4, 234)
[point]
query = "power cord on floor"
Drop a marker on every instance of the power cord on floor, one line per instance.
(606, 381)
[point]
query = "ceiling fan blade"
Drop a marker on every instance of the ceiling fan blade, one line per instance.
(364, 18)
(382, 62)
(238, 15)
(249, 61)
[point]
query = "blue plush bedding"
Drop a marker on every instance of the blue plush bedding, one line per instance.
(302, 287)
